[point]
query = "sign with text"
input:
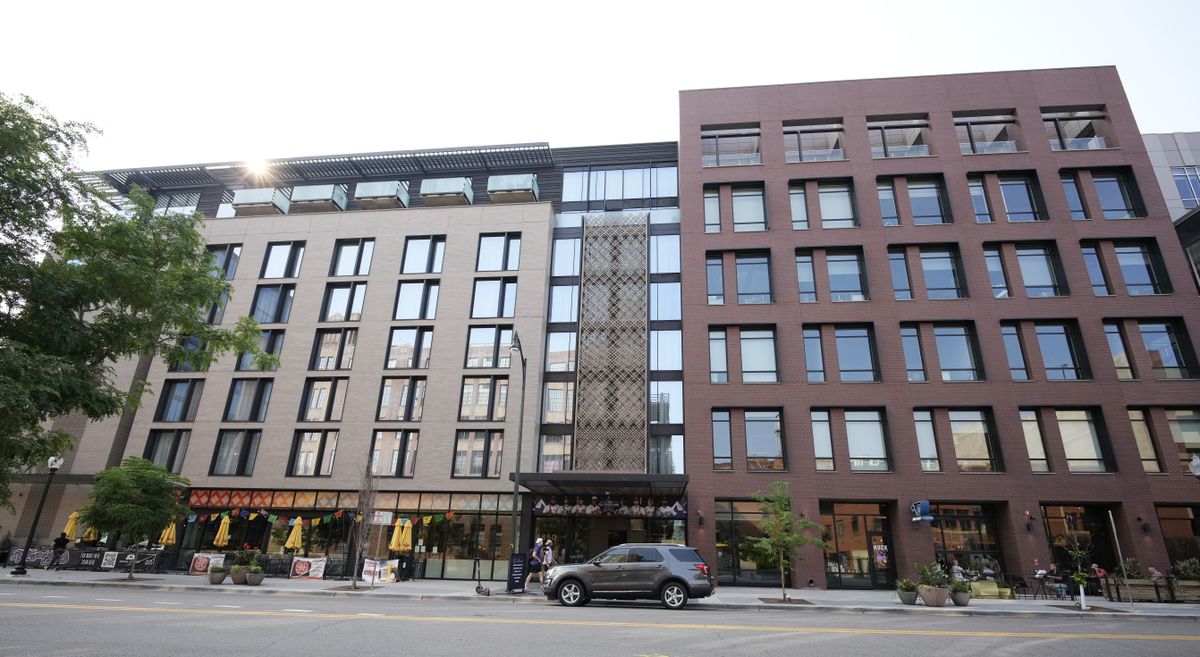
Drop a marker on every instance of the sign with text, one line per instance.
(382, 518)
(593, 506)
(517, 568)
(202, 563)
(304, 568)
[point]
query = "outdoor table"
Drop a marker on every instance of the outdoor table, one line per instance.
(1041, 588)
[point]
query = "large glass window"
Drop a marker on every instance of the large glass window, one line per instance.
(887, 202)
(499, 252)
(914, 362)
(973, 445)
(235, 452)
(352, 257)
(1015, 352)
(1060, 352)
(568, 253)
(729, 145)
(822, 440)
(555, 453)
(764, 440)
(343, 302)
(1115, 335)
(943, 273)
(979, 201)
(799, 207)
(423, 255)
(334, 349)
(484, 398)
(1035, 442)
(560, 351)
(927, 441)
(967, 533)
(813, 141)
(1144, 439)
(167, 448)
(737, 560)
(1187, 181)
(856, 353)
(283, 260)
(394, 453)
(248, 400)
(666, 402)
(664, 254)
(323, 399)
(957, 353)
(494, 297)
(1074, 199)
(179, 400)
(558, 405)
(758, 356)
(564, 303)
(847, 278)
(837, 205)
(401, 399)
(1116, 201)
(718, 359)
(1185, 431)
(478, 454)
(722, 442)
(1095, 270)
(665, 455)
(867, 440)
(749, 210)
(994, 133)
(928, 202)
(712, 211)
(715, 279)
(1040, 271)
(666, 350)
(417, 300)
(225, 259)
(995, 270)
(814, 360)
(273, 303)
(753, 279)
(805, 277)
(1081, 441)
(901, 284)
(313, 453)
(489, 346)
(899, 137)
(409, 348)
(1020, 198)
(1074, 129)
(1140, 269)
(1167, 352)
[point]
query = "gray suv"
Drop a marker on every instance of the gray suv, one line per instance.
(670, 573)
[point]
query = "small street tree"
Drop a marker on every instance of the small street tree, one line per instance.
(136, 499)
(783, 532)
(362, 523)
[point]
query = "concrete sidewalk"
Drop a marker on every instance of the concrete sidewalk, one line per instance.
(727, 597)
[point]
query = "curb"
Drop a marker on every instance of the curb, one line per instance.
(540, 600)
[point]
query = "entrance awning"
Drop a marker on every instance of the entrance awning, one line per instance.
(597, 483)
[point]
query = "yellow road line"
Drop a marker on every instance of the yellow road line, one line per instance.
(614, 624)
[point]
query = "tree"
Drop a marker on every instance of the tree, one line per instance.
(136, 499)
(83, 287)
(361, 531)
(783, 532)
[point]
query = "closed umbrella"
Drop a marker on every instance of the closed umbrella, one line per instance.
(293, 540)
(168, 535)
(72, 526)
(90, 534)
(394, 546)
(222, 537)
(406, 538)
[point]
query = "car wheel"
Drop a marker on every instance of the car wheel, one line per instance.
(674, 595)
(570, 594)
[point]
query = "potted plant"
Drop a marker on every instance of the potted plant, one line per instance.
(1187, 580)
(217, 574)
(906, 589)
(246, 557)
(960, 593)
(237, 573)
(254, 575)
(934, 587)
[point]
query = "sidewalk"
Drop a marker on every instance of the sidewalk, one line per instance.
(727, 597)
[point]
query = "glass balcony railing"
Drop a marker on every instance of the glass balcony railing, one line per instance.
(1001, 146)
(517, 187)
(260, 201)
(1079, 144)
(382, 194)
(319, 198)
(447, 191)
(913, 150)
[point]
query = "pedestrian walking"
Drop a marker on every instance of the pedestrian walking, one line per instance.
(535, 564)
(547, 558)
(60, 547)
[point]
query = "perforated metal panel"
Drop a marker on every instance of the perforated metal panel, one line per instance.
(610, 412)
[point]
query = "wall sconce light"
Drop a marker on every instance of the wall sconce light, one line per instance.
(700, 519)
(1145, 525)
(1029, 518)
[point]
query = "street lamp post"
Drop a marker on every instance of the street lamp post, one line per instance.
(53, 463)
(515, 348)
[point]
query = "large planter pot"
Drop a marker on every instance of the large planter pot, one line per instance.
(216, 578)
(907, 597)
(961, 599)
(934, 596)
(254, 579)
(1187, 590)
(238, 576)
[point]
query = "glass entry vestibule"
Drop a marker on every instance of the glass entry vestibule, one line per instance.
(859, 555)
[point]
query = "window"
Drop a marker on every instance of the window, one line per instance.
(312, 453)
(722, 446)
(1185, 431)
(489, 346)
(1015, 352)
(1141, 270)
(235, 453)
(666, 350)
(914, 361)
(225, 259)
(394, 453)
(758, 356)
(666, 402)
(1168, 357)
(1095, 270)
(714, 274)
(556, 453)
(323, 400)
(805, 277)
(813, 141)
(1187, 181)
(494, 297)
(1020, 199)
(887, 203)
(409, 348)
(248, 400)
(273, 303)
(900, 137)
(179, 400)
(1074, 199)
(478, 453)
(729, 145)
(1072, 130)
(1060, 352)
(957, 353)
(499, 252)
(856, 354)
(167, 448)
(558, 406)
(749, 212)
(568, 253)
(1081, 441)
(995, 270)
(1035, 444)
(188, 347)
(1040, 272)
(753, 279)
(283, 260)
(973, 445)
(712, 211)
(401, 399)
(1144, 439)
(822, 440)
(993, 133)
(927, 441)
(847, 280)
(867, 439)
(484, 398)
(343, 302)
(1120, 354)
(901, 284)
(799, 206)
(665, 302)
(814, 361)
(665, 457)
(837, 205)
(620, 184)
(764, 441)
(423, 255)
(352, 257)
(1116, 199)
(718, 365)
(417, 300)
(928, 202)
(943, 273)
(564, 303)
(979, 202)
(560, 351)
(664, 254)
(271, 342)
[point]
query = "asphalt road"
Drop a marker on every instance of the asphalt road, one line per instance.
(67, 621)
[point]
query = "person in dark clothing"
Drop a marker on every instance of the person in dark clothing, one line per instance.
(60, 547)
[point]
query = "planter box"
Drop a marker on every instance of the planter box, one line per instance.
(907, 597)
(254, 579)
(217, 578)
(961, 599)
(238, 577)
(985, 590)
(1187, 590)
(934, 596)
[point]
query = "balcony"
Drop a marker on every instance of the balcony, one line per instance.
(260, 201)
(1078, 144)
(982, 147)
(382, 194)
(447, 191)
(514, 188)
(318, 198)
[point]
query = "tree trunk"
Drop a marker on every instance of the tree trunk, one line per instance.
(782, 579)
(133, 566)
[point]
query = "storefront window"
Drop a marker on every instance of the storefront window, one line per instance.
(967, 533)
(859, 551)
(737, 561)
(1086, 524)
(1181, 531)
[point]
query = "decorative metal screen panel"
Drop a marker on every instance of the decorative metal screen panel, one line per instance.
(610, 400)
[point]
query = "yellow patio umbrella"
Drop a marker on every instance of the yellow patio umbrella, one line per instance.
(294, 539)
(222, 537)
(168, 535)
(394, 545)
(90, 534)
(405, 544)
(72, 528)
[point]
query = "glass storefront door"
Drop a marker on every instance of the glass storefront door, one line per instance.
(1086, 525)
(859, 555)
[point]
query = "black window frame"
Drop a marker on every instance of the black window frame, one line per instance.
(497, 411)
(177, 452)
(348, 311)
(507, 255)
(430, 294)
(272, 343)
(343, 339)
(415, 390)
(291, 266)
(501, 296)
(435, 255)
(422, 341)
(191, 401)
(358, 268)
(340, 384)
(245, 465)
(283, 306)
(319, 462)
(263, 387)
(490, 435)
(403, 463)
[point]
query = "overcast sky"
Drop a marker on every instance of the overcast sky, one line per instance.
(173, 82)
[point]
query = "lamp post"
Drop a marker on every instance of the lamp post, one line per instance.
(515, 348)
(53, 463)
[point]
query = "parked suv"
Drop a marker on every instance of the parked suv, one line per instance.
(670, 573)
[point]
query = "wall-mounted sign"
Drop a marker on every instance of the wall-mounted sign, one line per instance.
(921, 511)
(615, 507)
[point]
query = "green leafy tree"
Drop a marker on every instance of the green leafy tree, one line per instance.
(83, 287)
(137, 500)
(783, 532)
